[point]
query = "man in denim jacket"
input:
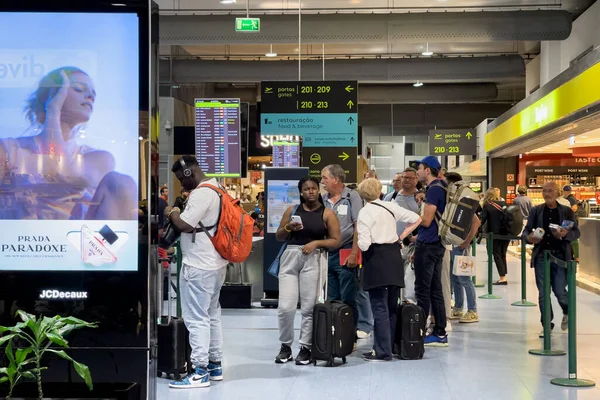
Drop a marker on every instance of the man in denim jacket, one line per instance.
(558, 241)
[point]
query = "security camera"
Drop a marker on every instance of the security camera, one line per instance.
(168, 126)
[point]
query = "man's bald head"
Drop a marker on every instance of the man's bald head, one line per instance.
(550, 191)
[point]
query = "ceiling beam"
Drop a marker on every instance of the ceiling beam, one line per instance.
(398, 70)
(371, 28)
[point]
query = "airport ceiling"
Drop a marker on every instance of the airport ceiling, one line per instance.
(346, 33)
(445, 40)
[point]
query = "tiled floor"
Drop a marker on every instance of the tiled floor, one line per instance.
(486, 361)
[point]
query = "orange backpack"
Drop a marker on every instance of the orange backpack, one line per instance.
(233, 237)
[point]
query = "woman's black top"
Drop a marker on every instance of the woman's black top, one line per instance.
(493, 217)
(313, 226)
(382, 266)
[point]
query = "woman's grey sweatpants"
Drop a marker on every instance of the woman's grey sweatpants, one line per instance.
(298, 273)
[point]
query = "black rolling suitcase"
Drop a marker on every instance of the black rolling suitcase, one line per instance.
(410, 332)
(333, 326)
(174, 349)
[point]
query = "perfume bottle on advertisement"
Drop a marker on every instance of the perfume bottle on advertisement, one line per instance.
(96, 247)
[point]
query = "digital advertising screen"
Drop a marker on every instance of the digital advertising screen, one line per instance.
(69, 141)
(281, 195)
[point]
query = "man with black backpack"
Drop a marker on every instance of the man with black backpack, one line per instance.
(429, 252)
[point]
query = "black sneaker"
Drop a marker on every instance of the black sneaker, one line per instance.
(303, 357)
(285, 354)
(372, 357)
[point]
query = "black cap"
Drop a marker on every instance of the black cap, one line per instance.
(108, 234)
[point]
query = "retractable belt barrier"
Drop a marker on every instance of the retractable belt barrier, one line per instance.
(571, 267)
(523, 302)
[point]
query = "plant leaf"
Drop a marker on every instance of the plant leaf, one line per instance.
(56, 338)
(9, 353)
(8, 329)
(4, 379)
(82, 369)
(2, 371)
(22, 355)
(79, 322)
(30, 322)
(84, 372)
(6, 338)
(48, 323)
(28, 375)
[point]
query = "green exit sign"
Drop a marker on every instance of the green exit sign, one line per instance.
(247, 24)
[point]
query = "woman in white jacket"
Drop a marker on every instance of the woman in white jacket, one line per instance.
(383, 274)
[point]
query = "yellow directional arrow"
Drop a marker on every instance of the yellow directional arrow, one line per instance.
(350, 104)
(469, 135)
(349, 88)
(269, 90)
(344, 156)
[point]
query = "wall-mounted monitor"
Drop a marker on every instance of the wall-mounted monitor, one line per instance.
(218, 144)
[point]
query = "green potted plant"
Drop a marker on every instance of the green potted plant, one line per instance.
(34, 337)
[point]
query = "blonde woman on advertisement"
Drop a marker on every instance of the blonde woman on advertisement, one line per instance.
(75, 181)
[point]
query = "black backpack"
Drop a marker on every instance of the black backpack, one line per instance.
(583, 209)
(512, 219)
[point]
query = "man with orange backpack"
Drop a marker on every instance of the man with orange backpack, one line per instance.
(215, 231)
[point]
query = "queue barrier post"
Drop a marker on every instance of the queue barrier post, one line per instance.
(490, 244)
(524, 302)
(572, 380)
(474, 254)
(546, 312)
(179, 266)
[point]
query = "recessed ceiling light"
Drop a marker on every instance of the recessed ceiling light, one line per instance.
(228, 1)
(418, 84)
(427, 52)
(118, 5)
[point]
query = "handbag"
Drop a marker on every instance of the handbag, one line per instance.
(274, 267)
(169, 236)
(464, 265)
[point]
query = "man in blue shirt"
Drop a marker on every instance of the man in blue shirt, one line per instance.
(429, 252)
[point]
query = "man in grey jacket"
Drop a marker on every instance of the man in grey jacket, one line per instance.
(558, 241)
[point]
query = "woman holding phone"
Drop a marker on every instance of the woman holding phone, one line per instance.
(309, 231)
(65, 180)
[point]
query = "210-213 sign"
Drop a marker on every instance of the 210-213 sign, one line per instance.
(450, 150)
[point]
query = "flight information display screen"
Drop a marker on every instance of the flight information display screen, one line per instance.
(286, 154)
(218, 148)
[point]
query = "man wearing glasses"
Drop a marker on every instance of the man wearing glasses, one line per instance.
(405, 189)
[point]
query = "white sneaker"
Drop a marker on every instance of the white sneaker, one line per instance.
(564, 324)
(362, 334)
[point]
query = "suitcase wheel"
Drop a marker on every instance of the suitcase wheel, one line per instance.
(330, 363)
(344, 360)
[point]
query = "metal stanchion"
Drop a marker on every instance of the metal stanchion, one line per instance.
(524, 302)
(572, 380)
(474, 254)
(546, 312)
(490, 244)
(179, 266)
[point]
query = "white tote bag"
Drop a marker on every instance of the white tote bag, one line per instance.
(464, 265)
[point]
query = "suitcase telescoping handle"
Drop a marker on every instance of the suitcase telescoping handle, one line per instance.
(323, 282)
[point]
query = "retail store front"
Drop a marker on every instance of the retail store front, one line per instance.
(554, 135)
